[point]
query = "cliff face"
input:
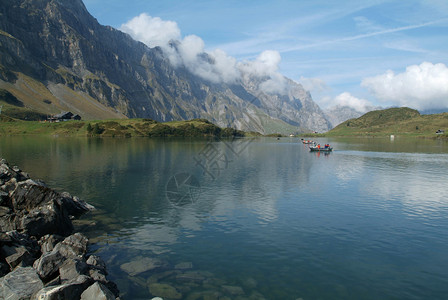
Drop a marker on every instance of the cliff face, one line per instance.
(54, 50)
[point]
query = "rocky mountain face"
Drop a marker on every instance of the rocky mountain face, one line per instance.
(55, 56)
(338, 114)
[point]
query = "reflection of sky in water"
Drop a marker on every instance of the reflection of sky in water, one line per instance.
(418, 181)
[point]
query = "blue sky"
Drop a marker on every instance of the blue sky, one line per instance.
(356, 53)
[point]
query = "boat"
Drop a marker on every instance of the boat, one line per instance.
(306, 142)
(321, 149)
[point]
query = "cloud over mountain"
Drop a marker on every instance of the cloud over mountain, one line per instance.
(215, 66)
(347, 99)
(423, 86)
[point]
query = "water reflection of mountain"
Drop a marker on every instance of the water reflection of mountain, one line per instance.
(128, 177)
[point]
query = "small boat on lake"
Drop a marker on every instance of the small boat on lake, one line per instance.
(306, 142)
(321, 149)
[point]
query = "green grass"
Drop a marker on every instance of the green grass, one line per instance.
(394, 121)
(117, 128)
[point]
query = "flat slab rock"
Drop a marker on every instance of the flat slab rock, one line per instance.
(141, 265)
(19, 284)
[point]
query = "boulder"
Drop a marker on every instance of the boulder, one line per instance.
(97, 262)
(17, 256)
(49, 219)
(97, 291)
(69, 291)
(48, 242)
(30, 211)
(48, 265)
(19, 284)
(164, 290)
(141, 265)
(73, 246)
(75, 206)
(72, 268)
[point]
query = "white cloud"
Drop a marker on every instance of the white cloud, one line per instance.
(423, 86)
(152, 31)
(313, 84)
(265, 67)
(215, 66)
(347, 99)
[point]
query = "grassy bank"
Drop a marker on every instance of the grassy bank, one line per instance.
(393, 121)
(117, 128)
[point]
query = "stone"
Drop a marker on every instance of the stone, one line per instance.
(68, 291)
(4, 211)
(4, 198)
(191, 276)
(75, 206)
(48, 264)
(48, 219)
(72, 268)
(73, 246)
(159, 276)
(17, 256)
(164, 290)
(97, 291)
(184, 266)
(97, 275)
(141, 265)
(97, 262)
(233, 290)
(4, 269)
(20, 284)
(48, 242)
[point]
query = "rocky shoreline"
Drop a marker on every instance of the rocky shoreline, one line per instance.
(40, 256)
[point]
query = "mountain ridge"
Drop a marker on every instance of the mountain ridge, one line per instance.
(395, 120)
(56, 51)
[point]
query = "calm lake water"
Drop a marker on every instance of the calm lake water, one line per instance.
(257, 219)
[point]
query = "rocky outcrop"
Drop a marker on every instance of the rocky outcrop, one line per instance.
(40, 257)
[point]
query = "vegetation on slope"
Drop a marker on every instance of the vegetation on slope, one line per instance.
(118, 128)
(396, 121)
(14, 108)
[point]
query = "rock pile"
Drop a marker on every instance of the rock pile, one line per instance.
(40, 258)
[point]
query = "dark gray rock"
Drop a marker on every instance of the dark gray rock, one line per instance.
(29, 211)
(75, 206)
(51, 218)
(20, 284)
(16, 256)
(73, 246)
(71, 269)
(4, 268)
(68, 291)
(48, 242)
(47, 266)
(97, 291)
(97, 263)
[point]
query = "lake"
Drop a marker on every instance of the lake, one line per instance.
(256, 218)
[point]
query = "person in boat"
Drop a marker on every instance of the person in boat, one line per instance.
(318, 146)
(327, 146)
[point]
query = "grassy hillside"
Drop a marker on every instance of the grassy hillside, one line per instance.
(116, 128)
(396, 121)
(53, 99)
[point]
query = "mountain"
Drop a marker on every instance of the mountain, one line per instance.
(54, 56)
(397, 121)
(339, 113)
